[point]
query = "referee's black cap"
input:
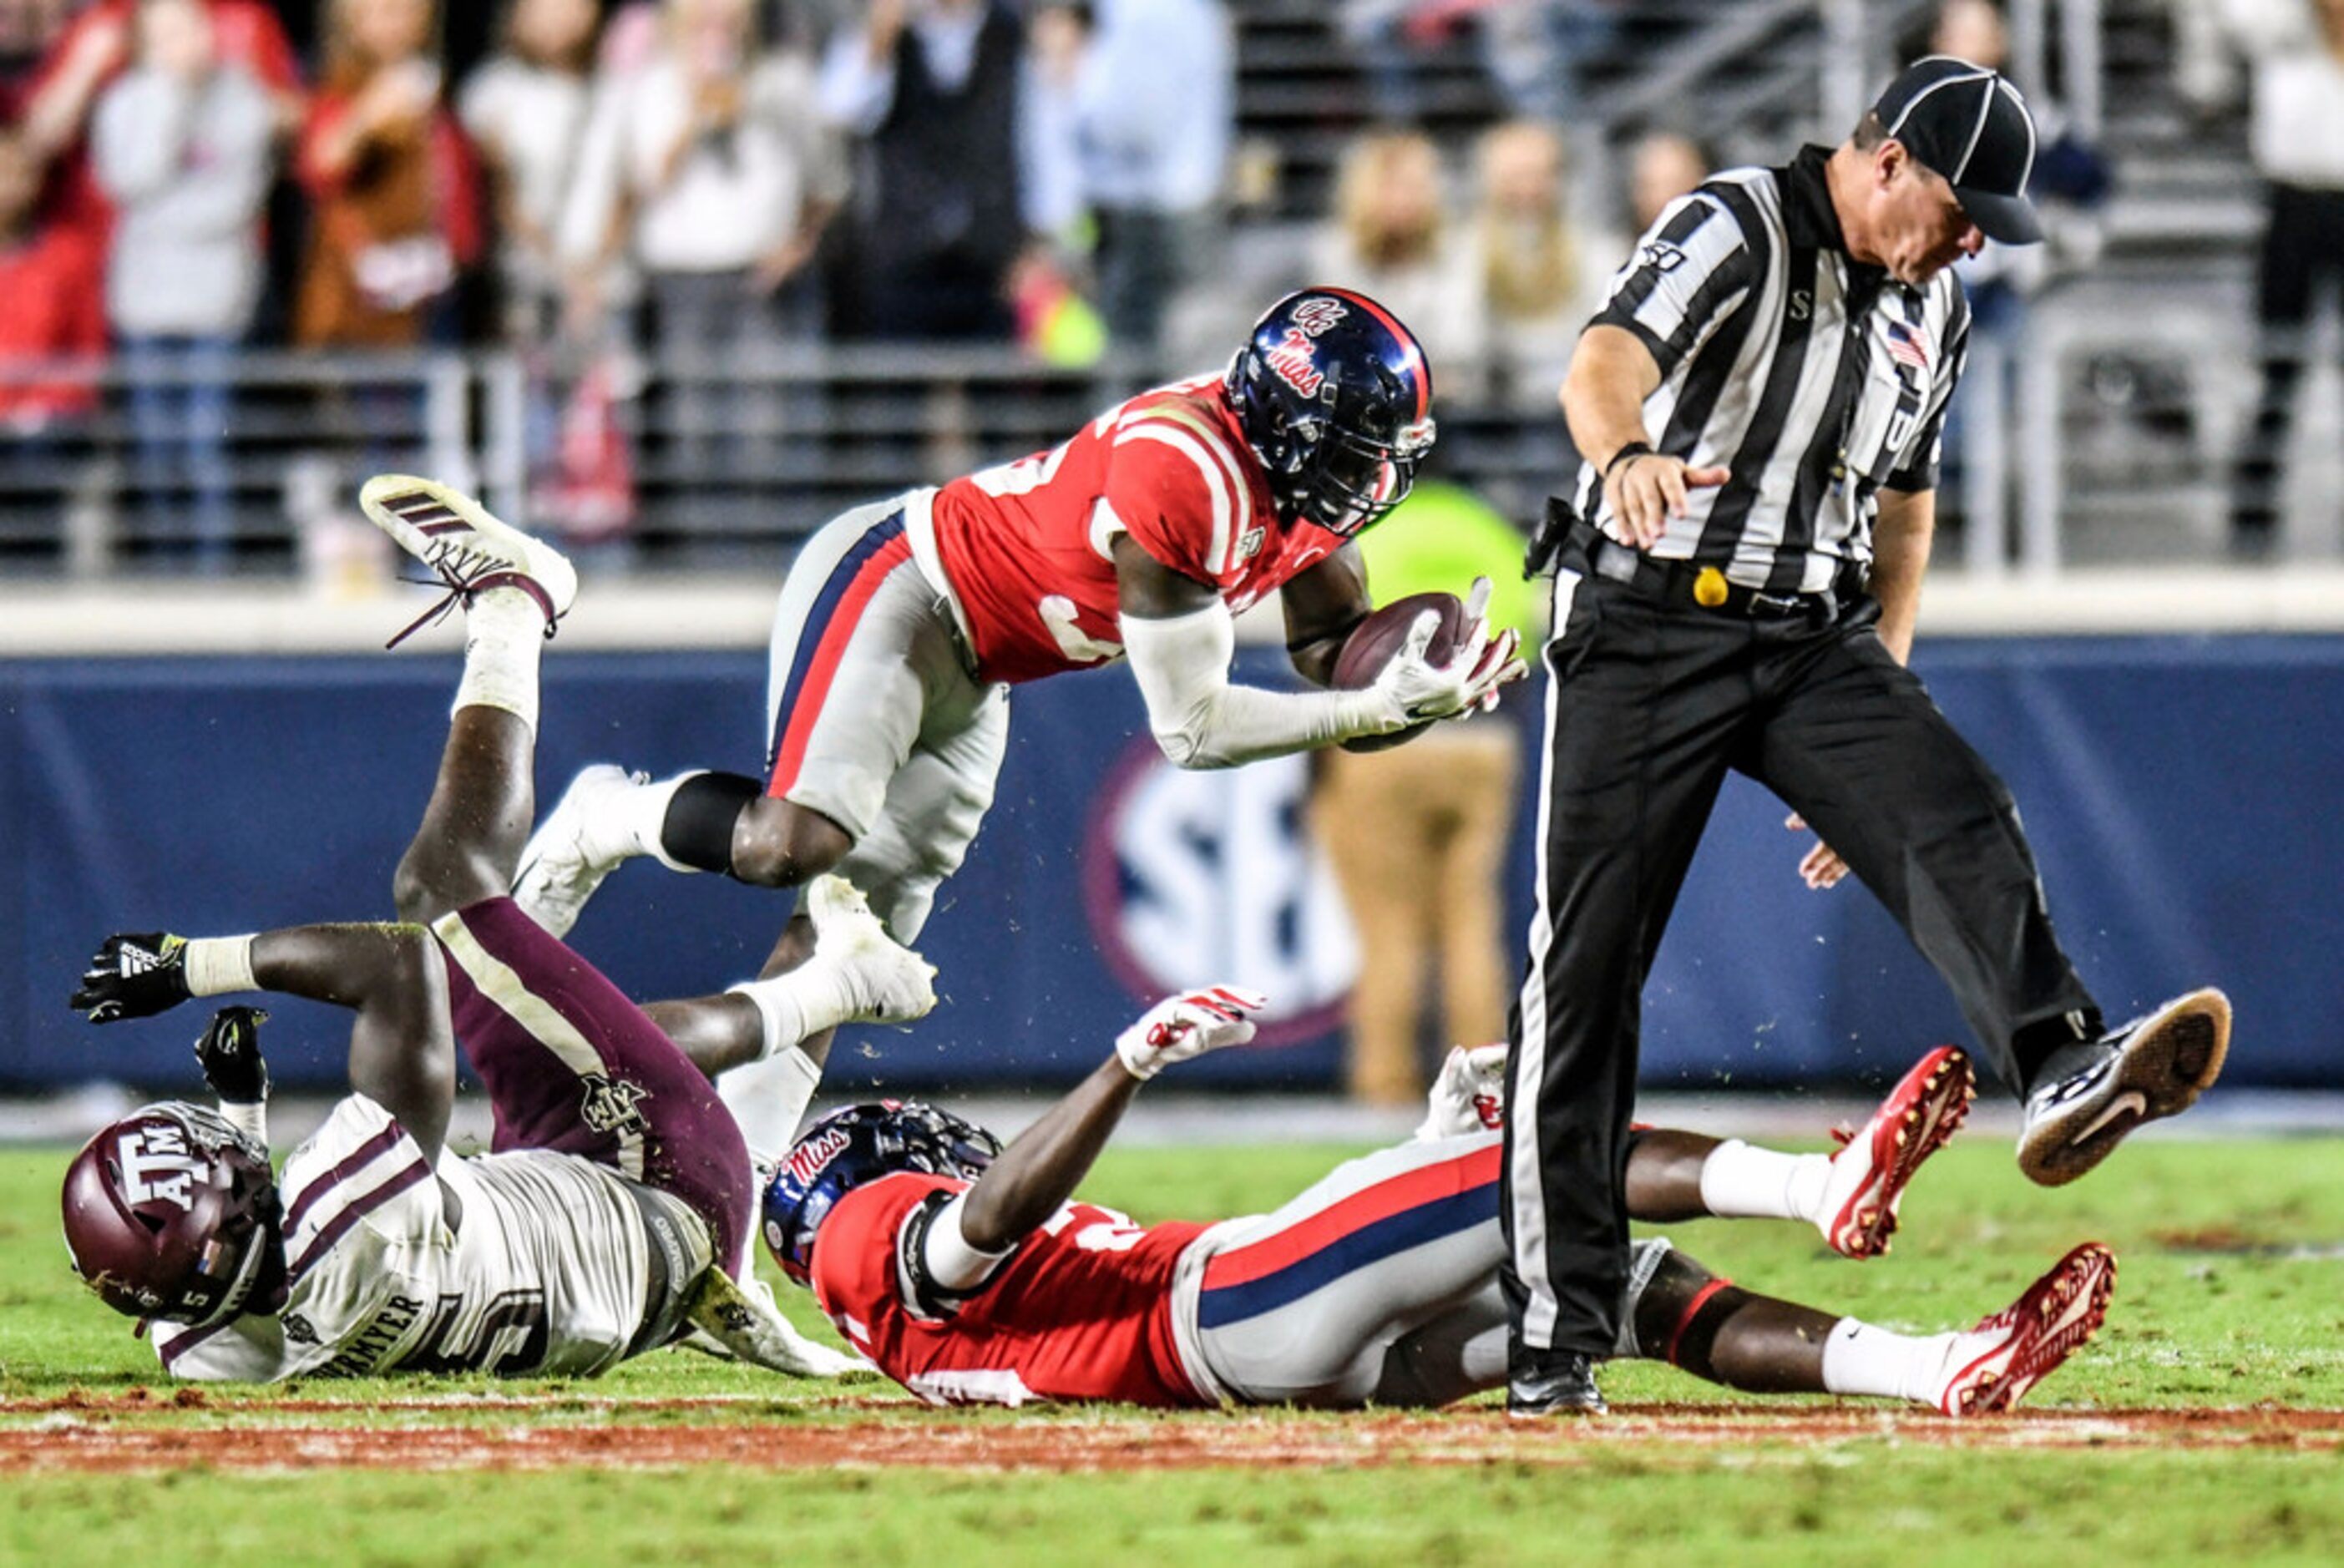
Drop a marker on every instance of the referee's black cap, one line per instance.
(1970, 124)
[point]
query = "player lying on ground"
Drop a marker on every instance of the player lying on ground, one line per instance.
(618, 1198)
(902, 624)
(969, 1275)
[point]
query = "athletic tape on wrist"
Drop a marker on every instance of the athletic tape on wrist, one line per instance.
(220, 965)
(249, 1119)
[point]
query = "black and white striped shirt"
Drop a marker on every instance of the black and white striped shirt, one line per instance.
(1816, 379)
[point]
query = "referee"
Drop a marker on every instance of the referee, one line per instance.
(1759, 407)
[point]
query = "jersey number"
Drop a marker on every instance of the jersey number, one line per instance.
(1022, 477)
(1110, 1232)
(510, 1337)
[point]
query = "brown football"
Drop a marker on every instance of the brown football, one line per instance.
(1373, 643)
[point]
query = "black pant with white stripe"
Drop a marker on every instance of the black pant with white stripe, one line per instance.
(1648, 705)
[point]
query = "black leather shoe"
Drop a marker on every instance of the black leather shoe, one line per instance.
(1551, 1382)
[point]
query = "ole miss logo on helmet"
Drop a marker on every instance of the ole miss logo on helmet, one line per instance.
(806, 1161)
(1295, 359)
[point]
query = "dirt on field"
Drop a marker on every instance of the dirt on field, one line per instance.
(110, 1432)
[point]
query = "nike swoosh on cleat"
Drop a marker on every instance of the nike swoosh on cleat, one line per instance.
(2130, 1100)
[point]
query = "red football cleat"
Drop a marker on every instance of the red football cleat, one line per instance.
(2024, 1342)
(1869, 1173)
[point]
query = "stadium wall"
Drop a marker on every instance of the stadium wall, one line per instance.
(2181, 792)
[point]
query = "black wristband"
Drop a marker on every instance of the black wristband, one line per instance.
(1632, 449)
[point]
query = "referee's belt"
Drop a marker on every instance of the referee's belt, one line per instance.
(1693, 586)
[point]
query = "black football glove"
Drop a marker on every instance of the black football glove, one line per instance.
(134, 974)
(229, 1051)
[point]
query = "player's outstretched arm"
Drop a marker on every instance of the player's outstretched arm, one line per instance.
(402, 1050)
(1043, 1165)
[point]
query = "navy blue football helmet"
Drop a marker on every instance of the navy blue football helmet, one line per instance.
(849, 1148)
(1335, 399)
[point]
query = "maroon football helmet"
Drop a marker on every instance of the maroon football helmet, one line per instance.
(171, 1213)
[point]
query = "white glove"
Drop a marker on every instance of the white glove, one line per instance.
(1180, 1027)
(1416, 689)
(1469, 1095)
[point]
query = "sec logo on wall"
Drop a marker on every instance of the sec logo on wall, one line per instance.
(1191, 877)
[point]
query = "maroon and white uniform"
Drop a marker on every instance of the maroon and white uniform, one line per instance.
(903, 623)
(616, 1178)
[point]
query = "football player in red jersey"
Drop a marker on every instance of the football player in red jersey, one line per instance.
(902, 624)
(971, 1273)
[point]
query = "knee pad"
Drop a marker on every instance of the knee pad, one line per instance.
(700, 814)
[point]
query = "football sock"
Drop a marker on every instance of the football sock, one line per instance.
(769, 1098)
(692, 830)
(808, 999)
(1859, 1359)
(504, 630)
(1740, 1182)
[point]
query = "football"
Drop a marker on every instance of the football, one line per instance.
(1373, 643)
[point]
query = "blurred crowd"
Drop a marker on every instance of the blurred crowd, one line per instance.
(706, 184)
(724, 173)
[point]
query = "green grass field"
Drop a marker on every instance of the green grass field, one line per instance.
(2230, 1299)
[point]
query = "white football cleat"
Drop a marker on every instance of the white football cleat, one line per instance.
(1869, 1173)
(574, 848)
(472, 550)
(739, 1320)
(1995, 1364)
(881, 981)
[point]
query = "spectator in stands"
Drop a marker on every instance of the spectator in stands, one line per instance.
(393, 182)
(1056, 321)
(1665, 165)
(1158, 111)
(1533, 50)
(183, 147)
(2295, 49)
(1417, 834)
(1542, 275)
(930, 88)
(1059, 36)
(28, 29)
(709, 165)
(526, 111)
(88, 56)
(47, 314)
(2069, 182)
(1390, 240)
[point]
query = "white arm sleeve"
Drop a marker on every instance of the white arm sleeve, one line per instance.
(1203, 720)
(951, 1264)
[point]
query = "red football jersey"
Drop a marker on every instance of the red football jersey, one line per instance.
(1026, 546)
(1081, 1311)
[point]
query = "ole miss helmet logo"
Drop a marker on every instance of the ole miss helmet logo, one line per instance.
(1315, 315)
(1294, 359)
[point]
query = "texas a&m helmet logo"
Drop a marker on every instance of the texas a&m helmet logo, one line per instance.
(156, 1165)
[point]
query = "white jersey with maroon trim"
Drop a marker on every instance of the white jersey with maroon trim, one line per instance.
(545, 1271)
(1024, 550)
